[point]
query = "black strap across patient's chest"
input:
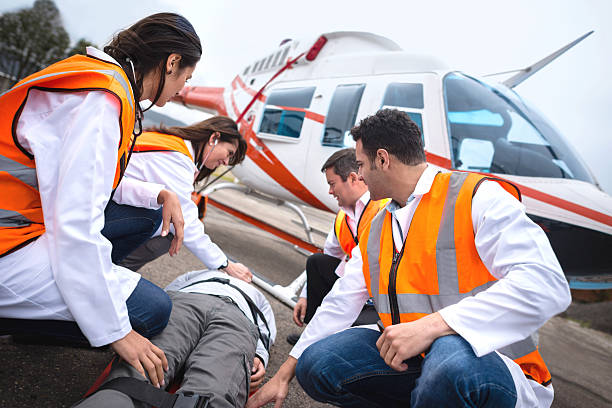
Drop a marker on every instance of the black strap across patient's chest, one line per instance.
(255, 312)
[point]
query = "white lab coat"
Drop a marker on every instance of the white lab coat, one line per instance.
(332, 246)
(67, 273)
(176, 171)
(531, 287)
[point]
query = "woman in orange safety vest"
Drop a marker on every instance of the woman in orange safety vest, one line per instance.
(178, 157)
(64, 146)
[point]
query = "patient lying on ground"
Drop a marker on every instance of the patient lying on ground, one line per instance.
(217, 345)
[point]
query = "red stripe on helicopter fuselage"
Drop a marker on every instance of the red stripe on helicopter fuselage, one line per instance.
(269, 163)
(248, 90)
(536, 194)
(438, 160)
(309, 114)
(263, 157)
(566, 205)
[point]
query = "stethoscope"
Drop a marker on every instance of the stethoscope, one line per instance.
(209, 152)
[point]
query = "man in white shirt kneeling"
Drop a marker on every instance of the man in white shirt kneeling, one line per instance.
(356, 212)
(461, 279)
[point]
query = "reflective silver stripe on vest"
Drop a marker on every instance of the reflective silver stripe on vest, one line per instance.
(373, 249)
(22, 172)
(10, 218)
(109, 72)
(521, 348)
(422, 303)
(446, 254)
(446, 263)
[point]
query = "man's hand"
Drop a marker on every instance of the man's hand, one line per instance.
(277, 388)
(171, 213)
(141, 354)
(238, 270)
(257, 373)
(406, 340)
(299, 311)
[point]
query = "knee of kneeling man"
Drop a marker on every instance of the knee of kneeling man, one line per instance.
(304, 367)
(449, 358)
(310, 365)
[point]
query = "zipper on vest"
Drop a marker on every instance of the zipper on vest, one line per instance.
(395, 315)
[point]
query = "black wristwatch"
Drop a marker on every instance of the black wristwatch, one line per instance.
(222, 267)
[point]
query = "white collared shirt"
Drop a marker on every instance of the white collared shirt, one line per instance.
(67, 273)
(332, 245)
(220, 289)
(531, 287)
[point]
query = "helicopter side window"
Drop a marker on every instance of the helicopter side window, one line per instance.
(490, 133)
(408, 98)
(341, 115)
(285, 111)
(404, 95)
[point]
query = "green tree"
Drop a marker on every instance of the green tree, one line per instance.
(80, 47)
(32, 38)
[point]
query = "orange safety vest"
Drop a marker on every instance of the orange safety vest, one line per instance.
(21, 215)
(345, 236)
(161, 142)
(440, 266)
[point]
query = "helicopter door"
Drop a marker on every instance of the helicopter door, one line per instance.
(282, 125)
(341, 102)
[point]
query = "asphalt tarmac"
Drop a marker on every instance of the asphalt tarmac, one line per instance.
(579, 358)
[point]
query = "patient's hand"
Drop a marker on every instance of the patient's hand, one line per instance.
(238, 270)
(257, 373)
(299, 311)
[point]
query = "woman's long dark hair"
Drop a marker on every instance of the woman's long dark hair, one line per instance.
(199, 134)
(145, 47)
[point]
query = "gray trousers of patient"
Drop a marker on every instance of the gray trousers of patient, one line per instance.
(208, 339)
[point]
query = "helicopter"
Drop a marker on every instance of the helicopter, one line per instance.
(296, 106)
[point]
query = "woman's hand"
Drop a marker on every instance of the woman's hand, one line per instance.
(172, 213)
(238, 270)
(143, 355)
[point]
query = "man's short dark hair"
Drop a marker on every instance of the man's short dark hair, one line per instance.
(394, 131)
(343, 162)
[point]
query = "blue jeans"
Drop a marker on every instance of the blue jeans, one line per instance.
(128, 227)
(346, 370)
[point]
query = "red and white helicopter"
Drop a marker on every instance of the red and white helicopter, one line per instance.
(296, 105)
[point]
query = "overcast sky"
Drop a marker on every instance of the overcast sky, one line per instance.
(477, 37)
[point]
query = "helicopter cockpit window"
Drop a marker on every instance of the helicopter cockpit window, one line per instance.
(493, 132)
(341, 115)
(285, 111)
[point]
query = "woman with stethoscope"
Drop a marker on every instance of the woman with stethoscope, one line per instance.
(64, 146)
(178, 157)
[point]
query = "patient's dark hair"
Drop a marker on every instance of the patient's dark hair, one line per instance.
(149, 43)
(343, 162)
(199, 134)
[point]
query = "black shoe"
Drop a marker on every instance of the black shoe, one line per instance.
(293, 338)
